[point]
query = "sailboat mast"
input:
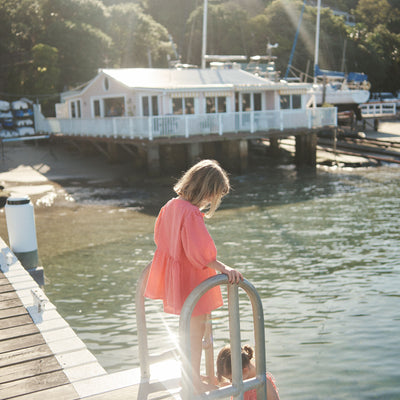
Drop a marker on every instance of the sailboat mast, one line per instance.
(317, 41)
(204, 44)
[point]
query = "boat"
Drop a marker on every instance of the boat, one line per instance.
(346, 91)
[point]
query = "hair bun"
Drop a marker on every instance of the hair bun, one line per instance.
(249, 350)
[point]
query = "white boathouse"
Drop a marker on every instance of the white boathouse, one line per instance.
(146, 109)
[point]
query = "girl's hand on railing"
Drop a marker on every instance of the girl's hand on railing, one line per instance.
(234, 276)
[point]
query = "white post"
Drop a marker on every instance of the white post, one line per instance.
(150, 127)
(317, 40)
(21, 229)
(204, 44)
(186, 127)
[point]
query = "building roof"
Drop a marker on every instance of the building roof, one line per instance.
(158, 78)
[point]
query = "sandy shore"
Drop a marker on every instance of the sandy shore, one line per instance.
(39, 170)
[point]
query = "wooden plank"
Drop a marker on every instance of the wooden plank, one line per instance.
(25, 354)
(65, 392)
(18, 331)
(6, 288)
(8, 296)
(12, 312)
(130, 392)
(3, 280)
(13, 321)
(33, 384)
(21, 343)
(28, 369)
(10, 303)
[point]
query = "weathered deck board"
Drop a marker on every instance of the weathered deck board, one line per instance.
(27, 365)
(41, 358)
(28, 369)
(25, 354)
(12, 312)
(18, 343)
(65, 392)
(4, 288)
(15, 321)
(32, 384)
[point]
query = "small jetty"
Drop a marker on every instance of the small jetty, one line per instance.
(41, 357)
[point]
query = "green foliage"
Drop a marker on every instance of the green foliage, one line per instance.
(50, 45)
(137, 38)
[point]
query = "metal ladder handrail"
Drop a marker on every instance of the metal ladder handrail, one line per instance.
(238, 387)
(145, 359)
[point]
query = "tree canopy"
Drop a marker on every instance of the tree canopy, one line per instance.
(49, 46)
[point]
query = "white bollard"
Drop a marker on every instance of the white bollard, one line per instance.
(22, 234)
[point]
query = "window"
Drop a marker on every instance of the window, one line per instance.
(189, 105)
(292, 101)
(177, 106)
(285, 102)
(257, 101)
(149, 106)
(106, 84)
(184, 105)
(221, 104)
(76, 109)
(296, 101)
(210, 105)
(215, 104)
(114, 107)
(154, 105)
(145, 106)
(246, 103)
(96, 108)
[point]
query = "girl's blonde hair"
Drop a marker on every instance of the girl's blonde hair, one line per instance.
(224, 360)
(204, 185)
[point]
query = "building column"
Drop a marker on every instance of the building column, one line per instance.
(112, 150)
(274, 146)
(194, 151)
(153, 159)
(235, 155)
(306, 150)
(243, 154)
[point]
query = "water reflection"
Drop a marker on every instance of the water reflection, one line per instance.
(322, 250)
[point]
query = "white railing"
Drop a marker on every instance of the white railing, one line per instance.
(189, 125)
(378, 109)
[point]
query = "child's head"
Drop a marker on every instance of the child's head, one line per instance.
(224, 363)
(204, 184)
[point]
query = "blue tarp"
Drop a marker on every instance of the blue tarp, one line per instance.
(351, 77)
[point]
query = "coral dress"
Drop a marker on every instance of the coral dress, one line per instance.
(184, 248)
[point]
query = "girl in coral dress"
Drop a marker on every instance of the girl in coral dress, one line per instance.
(186, 254)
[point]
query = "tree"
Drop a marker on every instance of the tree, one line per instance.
(137, 38)
(75, 28)
(227, 32)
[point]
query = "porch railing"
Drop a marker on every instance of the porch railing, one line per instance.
(188, 125)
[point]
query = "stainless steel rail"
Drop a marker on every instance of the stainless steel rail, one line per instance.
(238, 386)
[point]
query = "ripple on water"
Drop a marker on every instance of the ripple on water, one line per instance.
(322, 250)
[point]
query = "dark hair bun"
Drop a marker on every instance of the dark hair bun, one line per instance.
(249, 350)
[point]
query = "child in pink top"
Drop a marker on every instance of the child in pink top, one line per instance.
(186, 254)
(224, 372)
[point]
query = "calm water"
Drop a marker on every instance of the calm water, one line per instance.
(322, 249)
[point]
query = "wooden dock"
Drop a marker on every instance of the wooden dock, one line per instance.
(40, 355)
